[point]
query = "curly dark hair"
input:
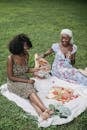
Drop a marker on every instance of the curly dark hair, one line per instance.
(16, 45)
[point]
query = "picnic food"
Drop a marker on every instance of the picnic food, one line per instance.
(62, 94)
(43, 65)
(40, 62)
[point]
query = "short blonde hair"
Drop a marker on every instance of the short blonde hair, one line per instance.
(69, 33)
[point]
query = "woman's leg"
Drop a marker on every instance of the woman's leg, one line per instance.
(39, 106)
(34, 98)
(44, 115)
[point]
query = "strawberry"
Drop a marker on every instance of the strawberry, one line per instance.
(55, 92)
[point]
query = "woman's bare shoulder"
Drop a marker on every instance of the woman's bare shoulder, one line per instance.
(10, 57)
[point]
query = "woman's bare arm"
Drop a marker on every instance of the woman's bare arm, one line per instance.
(50, 51)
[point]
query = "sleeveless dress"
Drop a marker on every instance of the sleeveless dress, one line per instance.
(63, 69)
(20, 88)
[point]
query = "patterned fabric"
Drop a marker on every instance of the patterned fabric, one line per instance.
(21, 89)
(63, 69)
(60, 110)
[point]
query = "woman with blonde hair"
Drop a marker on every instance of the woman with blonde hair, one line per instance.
(65, 52)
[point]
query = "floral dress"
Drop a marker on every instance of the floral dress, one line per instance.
(20, 88)
(63, 69)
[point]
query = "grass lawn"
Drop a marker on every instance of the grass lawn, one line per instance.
(42, 21)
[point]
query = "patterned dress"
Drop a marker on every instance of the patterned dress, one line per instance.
(63, 69)
(19, 88)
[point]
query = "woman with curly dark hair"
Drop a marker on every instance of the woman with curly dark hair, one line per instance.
(17, 71)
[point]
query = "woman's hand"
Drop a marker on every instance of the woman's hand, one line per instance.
(68, 55)
(71, 57)
(31, 81)
(32, 70)
(36, 69)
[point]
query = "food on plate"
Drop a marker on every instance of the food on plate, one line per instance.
(62, 94)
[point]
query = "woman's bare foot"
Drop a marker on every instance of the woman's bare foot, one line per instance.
(50, 112)
(45, 115)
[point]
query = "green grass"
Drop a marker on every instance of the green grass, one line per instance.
(42, 21)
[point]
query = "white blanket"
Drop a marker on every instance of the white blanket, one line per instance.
(77, 106)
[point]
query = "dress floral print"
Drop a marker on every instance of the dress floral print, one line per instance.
(19, 88)
(63, 69)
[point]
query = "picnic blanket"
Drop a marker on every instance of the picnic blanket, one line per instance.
(83, 71)
(76, 106)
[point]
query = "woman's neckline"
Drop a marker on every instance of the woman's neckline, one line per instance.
(18, 60)
(62, 50)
